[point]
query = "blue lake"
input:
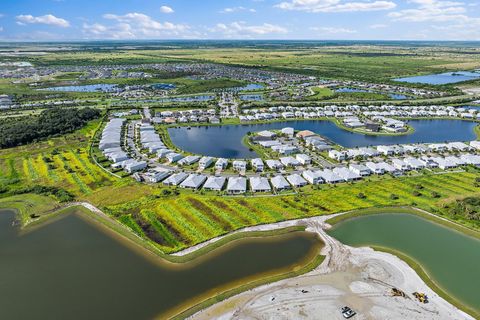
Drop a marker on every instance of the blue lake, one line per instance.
(394, 96)
(248, 87)
(251, 97)
(162, 86)
(442, 78)
(226, 141)
(86, 88)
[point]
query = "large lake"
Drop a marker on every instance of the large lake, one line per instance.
(442, 78)
(71, 269)
(226, 141)
(451, 258)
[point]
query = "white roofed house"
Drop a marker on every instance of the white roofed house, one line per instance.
(162, 153)
(386, 150)
(296, 180)
(279, 183)
(360, 169)
(444, 163)
(188, 160)
(173, 157)
(221, 164)
(313, 177)
(457, 160)
(287, 149)
(303, 159)
(205, 162)
(239, 165)
(338, 155)
(214, 183)
(289, 161)
(131, 165)
(347, 174)
(375, 167)
(475, 144)
(400, 165)
(414, 163)
(471, 159)
(389, 168)
(175, 179)
(259, 184)
(257, 164)
(267, 134)
(329, 176)
(458, 146)
(156, 175)
(428, 162)
(288, 132)
(193, 181)
(274, 164)
(237, 185)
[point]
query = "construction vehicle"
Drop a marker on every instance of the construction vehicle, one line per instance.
(398, 293)
(422, 297)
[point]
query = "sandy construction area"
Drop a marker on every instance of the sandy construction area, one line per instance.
(358, 277)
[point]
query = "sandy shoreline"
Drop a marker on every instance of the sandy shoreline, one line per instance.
(358, 277)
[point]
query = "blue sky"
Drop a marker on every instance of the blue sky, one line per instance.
(240, 19)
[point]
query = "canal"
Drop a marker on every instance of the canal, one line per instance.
(72, 269)
(226, 141)
(450, 258)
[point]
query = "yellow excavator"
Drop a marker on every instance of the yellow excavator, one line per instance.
(422, 297)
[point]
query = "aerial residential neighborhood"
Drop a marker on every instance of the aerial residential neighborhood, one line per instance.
(277, 159)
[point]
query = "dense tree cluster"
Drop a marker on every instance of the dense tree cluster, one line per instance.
(468, 208)
(18, 131)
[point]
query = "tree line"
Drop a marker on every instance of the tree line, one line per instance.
(22, 130)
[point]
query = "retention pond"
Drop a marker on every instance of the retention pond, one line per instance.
(71, 269)
(450, 258)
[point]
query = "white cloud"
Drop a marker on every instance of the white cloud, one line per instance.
(335, 5)
(166, 9)
(333, 30)
(47, 19)
(432, 10)
(378, 26)
(237, 9)
(241, 29)
(135, 26)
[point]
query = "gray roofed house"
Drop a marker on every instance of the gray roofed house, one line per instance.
(259, 184)
(279, 183)
(214, 183)
(375, 167)
(237, 185)
(175, 179)
(296, 180)
(288, 131)
(193, 181)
